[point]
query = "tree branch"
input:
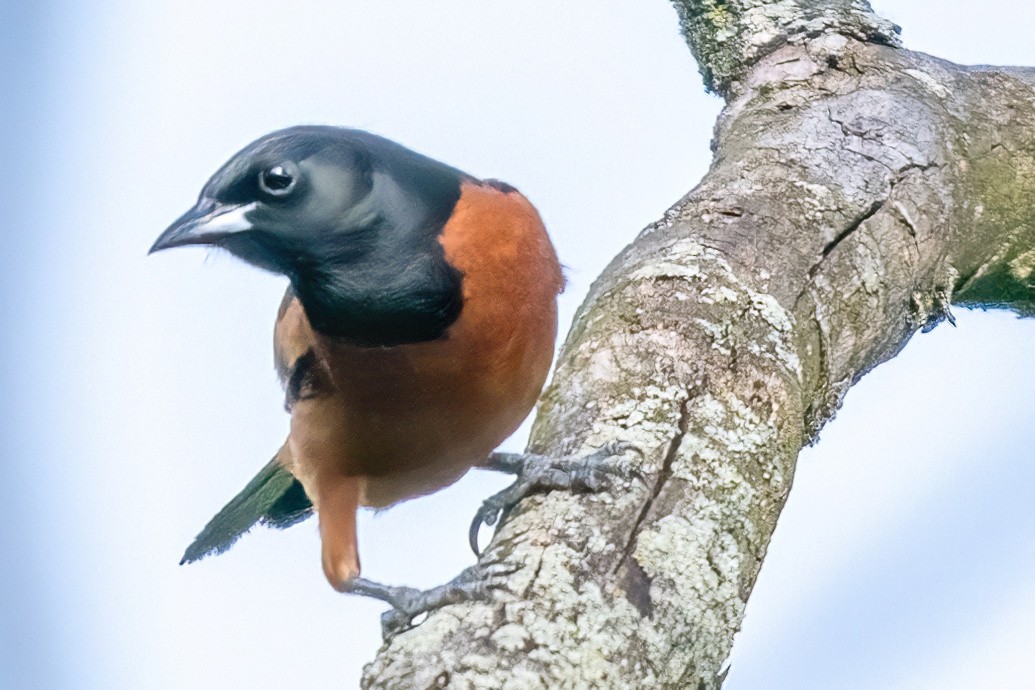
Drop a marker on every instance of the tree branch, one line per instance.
(728, 37)
(857, 190)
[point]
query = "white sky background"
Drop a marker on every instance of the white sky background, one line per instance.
(140, 395)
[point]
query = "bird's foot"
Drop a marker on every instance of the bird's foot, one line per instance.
(540, 473)
(478, 582)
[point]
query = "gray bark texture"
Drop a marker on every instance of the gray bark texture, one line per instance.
(858, 189)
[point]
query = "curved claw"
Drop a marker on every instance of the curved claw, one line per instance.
(487, 514)
(393, 622)
(474, 529)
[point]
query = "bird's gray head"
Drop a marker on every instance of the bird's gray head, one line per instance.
(351, 218)
(282, 198)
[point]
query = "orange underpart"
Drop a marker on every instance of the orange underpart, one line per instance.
(385, 424)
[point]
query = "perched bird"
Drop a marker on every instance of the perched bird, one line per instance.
(416, 334)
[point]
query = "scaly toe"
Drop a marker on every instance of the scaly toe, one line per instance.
(590, 472)
(479, 582)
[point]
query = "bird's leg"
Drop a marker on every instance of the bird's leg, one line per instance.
(475, 583)
(541, 473)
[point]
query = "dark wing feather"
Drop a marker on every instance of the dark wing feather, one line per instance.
(274, 497)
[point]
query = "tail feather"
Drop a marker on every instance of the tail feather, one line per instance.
(274, 497)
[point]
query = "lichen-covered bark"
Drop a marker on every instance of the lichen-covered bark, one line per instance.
(857, 191)
(729, 36)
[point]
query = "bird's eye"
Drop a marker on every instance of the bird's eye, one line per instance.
(277, 180)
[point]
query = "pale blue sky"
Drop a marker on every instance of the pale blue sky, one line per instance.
(139, 393)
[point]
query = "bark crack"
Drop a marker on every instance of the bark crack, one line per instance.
(664, 474)
(856, 223)
(535, 575)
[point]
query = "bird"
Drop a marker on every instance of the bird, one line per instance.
(415, 335)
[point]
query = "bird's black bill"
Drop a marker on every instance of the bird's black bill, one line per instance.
(207, 223)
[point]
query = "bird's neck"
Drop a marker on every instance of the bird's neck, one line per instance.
(382, 301)
(387, 281)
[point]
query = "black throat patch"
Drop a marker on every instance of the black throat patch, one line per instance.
(386, 281)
